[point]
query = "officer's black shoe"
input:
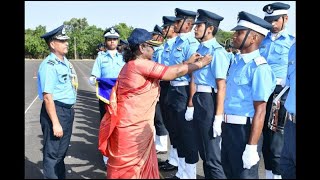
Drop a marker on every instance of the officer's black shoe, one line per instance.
(162, 163)
(168, 167)
(173, 177)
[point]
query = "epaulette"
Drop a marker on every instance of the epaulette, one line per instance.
(260, 60)
(51, 62)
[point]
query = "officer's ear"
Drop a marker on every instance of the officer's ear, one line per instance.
(286, 18)
(210, 29)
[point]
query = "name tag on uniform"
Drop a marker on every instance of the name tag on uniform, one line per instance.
(179, 48)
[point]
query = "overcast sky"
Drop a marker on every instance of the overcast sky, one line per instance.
(142, 14)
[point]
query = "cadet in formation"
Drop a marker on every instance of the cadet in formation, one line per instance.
(250, 81)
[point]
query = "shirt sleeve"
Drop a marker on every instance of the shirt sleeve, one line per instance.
(220, 64)
(96, 69)
(48, 79)
(263, 83)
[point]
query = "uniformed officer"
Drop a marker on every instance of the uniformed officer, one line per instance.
(59, 95)
(210, 93)
(122, 44)
(101, 48)
(180, 94)
(288, 154)
(157, 33)
(107, 65)
(250, 81)
(274, 48)
(161, 136)
(168, 30)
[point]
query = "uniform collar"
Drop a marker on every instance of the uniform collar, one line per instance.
(249, 56)
(55, 57)
(172, 40)
(184, 36)
(284, 33)
(211, 43)
(116, 55)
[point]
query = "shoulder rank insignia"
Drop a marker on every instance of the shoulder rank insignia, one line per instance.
(51, 62)
(260, 60)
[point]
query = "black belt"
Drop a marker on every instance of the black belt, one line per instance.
(61, 104)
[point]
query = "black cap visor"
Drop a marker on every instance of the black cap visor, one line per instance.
(237, 28)
(272, 18)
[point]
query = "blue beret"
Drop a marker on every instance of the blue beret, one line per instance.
(183, 14)
(275, 10)
(250, 21)
(168, 20)
(139, 36)
(58, 33)
(111, 32)
(157, 30)
(209, 17)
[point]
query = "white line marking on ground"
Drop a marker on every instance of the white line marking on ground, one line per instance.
(31, 104)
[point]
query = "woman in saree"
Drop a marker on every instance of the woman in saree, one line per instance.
(126, 131)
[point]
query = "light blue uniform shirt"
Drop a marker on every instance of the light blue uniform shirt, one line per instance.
(167, 49)
(290, 103)
(156, 56)
(54, 78)
(247, 82)
(185, 45)
(218, 67)
(106, 66)
(276, 52)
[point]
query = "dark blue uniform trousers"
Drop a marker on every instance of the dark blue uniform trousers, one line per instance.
(102, 109)
(54, 148)
(158, 122)
(234, 140)
(288, 155)
(184, 131)
(209, 147)
(272, 140)
(161, 116)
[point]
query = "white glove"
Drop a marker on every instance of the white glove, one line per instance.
(189, 113)
(217, 125)
(250, 156)
(92, 80)
(283, 82)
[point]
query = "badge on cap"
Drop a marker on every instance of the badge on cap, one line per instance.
(63, 31)
(197, 15)
(175, 12)
(269, 10)
(112, 31)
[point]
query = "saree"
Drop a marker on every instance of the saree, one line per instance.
(126, 130)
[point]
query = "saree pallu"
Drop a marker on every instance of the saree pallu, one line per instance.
(126, 130)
